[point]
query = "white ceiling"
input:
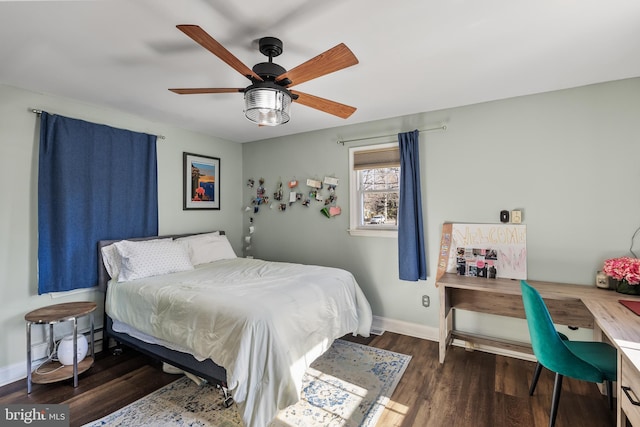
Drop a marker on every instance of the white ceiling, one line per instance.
(415, 55)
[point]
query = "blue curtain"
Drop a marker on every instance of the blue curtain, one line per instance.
(411, 249)
(94, 182)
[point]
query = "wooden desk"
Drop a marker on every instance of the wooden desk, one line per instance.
(573, 305)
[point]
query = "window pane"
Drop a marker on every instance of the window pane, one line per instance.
(380, 179)
(380, 208)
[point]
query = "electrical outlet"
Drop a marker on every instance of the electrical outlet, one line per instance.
(426, 301)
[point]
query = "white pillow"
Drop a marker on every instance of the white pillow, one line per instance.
(198, 236)
(151, 258)
(112, 260)
(187, 241)
(206, 249)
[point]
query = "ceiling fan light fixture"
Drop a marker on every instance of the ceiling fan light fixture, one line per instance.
(267, 106)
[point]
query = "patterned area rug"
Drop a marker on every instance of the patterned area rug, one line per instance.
(347, 386)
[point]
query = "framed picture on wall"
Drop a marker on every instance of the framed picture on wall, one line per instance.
(201, 176)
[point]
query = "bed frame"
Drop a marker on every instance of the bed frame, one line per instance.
(205, 369)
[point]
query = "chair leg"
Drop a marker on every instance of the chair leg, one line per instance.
(534, 381)
(557, 388)
(610, 393)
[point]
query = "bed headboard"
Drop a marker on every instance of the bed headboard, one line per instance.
(103, 276)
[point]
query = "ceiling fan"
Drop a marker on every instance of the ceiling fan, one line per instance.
(268, 98)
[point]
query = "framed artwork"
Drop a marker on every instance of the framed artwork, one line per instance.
(201, 176)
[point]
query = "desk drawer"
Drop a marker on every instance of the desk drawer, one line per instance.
(630, 384)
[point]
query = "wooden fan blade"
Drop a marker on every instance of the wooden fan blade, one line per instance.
(194, 91)
(205, 40)
(334, 59)
(341, 110)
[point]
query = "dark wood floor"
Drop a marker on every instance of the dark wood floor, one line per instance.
(471, 389)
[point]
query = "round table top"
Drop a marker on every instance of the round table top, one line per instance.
(60, 312)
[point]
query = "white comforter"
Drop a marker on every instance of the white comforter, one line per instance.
(264, 322)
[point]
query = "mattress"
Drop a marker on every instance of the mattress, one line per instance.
(264, 322)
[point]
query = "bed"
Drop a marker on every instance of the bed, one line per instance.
(251, 325)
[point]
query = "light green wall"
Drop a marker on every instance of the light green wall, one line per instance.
(569, 159)
(18, 204)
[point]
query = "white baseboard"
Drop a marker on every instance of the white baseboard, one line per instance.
(12, 373)
(405, 328)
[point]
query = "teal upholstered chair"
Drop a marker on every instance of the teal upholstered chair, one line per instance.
(584, 360)
(538, 370)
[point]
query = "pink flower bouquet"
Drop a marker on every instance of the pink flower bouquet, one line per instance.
(623, 268)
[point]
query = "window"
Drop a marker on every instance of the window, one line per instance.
(374, 190)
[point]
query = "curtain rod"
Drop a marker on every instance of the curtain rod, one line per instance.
(38, 112)
(342, 141)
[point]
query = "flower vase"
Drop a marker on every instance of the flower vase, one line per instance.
(625, 288)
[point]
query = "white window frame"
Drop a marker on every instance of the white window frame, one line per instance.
(355, 204)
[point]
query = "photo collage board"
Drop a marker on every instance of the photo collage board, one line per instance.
(483, 250)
